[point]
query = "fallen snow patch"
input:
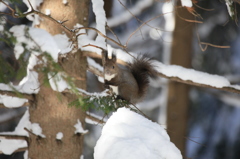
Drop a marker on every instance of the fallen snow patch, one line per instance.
(130, 135)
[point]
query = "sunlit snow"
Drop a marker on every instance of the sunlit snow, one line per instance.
(130, 135)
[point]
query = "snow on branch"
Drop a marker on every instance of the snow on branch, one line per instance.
(12, 102)
(16, 94)
(195, 78)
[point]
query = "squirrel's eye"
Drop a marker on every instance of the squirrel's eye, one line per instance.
(113, 67)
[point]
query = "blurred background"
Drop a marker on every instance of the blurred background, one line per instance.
(202, 122)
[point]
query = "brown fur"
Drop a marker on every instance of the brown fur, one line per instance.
(132, 82)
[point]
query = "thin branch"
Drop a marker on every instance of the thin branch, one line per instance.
(94, 119)
(208, 44)
(13, 137)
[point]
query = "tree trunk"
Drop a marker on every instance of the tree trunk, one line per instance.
(178, 95)
(51, 108)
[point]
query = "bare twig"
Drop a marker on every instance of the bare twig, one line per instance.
(208, 44)
(100, 33)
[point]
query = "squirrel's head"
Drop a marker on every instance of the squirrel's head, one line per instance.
(110, 67)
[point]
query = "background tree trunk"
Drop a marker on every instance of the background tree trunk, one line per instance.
(52, 111)
(178, 95)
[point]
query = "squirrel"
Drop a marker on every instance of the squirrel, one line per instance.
(131, 83)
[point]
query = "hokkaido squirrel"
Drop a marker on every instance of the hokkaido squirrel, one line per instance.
(131, 83)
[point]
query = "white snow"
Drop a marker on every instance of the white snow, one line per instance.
(186, 3)
(100, 21)
(59, 136)
(95, 94)
(25, 155)
(79, 128)
(129, 135)
(63, 43)
(229, 4)
(9, 146)
(57, 82)
(18, 50)
(39, 39)
(23, 123)
(91, 62)
(65, 2)
(3, 7)
(28, 85)
(12, 102)
(47, 11)
(192, 75)
(33, 17)
(37, 130)
(49, 45)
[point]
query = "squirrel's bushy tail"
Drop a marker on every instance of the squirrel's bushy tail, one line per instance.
(141, 69)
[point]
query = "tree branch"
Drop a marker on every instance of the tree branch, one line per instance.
(17, 94)
(13, 137)
(18, 150)
(177, 79)
(89, 116)
(24, 105)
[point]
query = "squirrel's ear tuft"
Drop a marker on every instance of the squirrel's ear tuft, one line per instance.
(114, 57)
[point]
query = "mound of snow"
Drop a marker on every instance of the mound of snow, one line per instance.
(130, 135)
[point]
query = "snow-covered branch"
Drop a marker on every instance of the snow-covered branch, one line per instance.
(17, 94)
(195, 78)
(185, 75)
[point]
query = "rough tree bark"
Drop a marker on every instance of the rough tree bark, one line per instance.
(178, 95)
(51, 108)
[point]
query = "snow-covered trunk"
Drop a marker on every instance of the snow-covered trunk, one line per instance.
(51, 110)
(178, 98)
